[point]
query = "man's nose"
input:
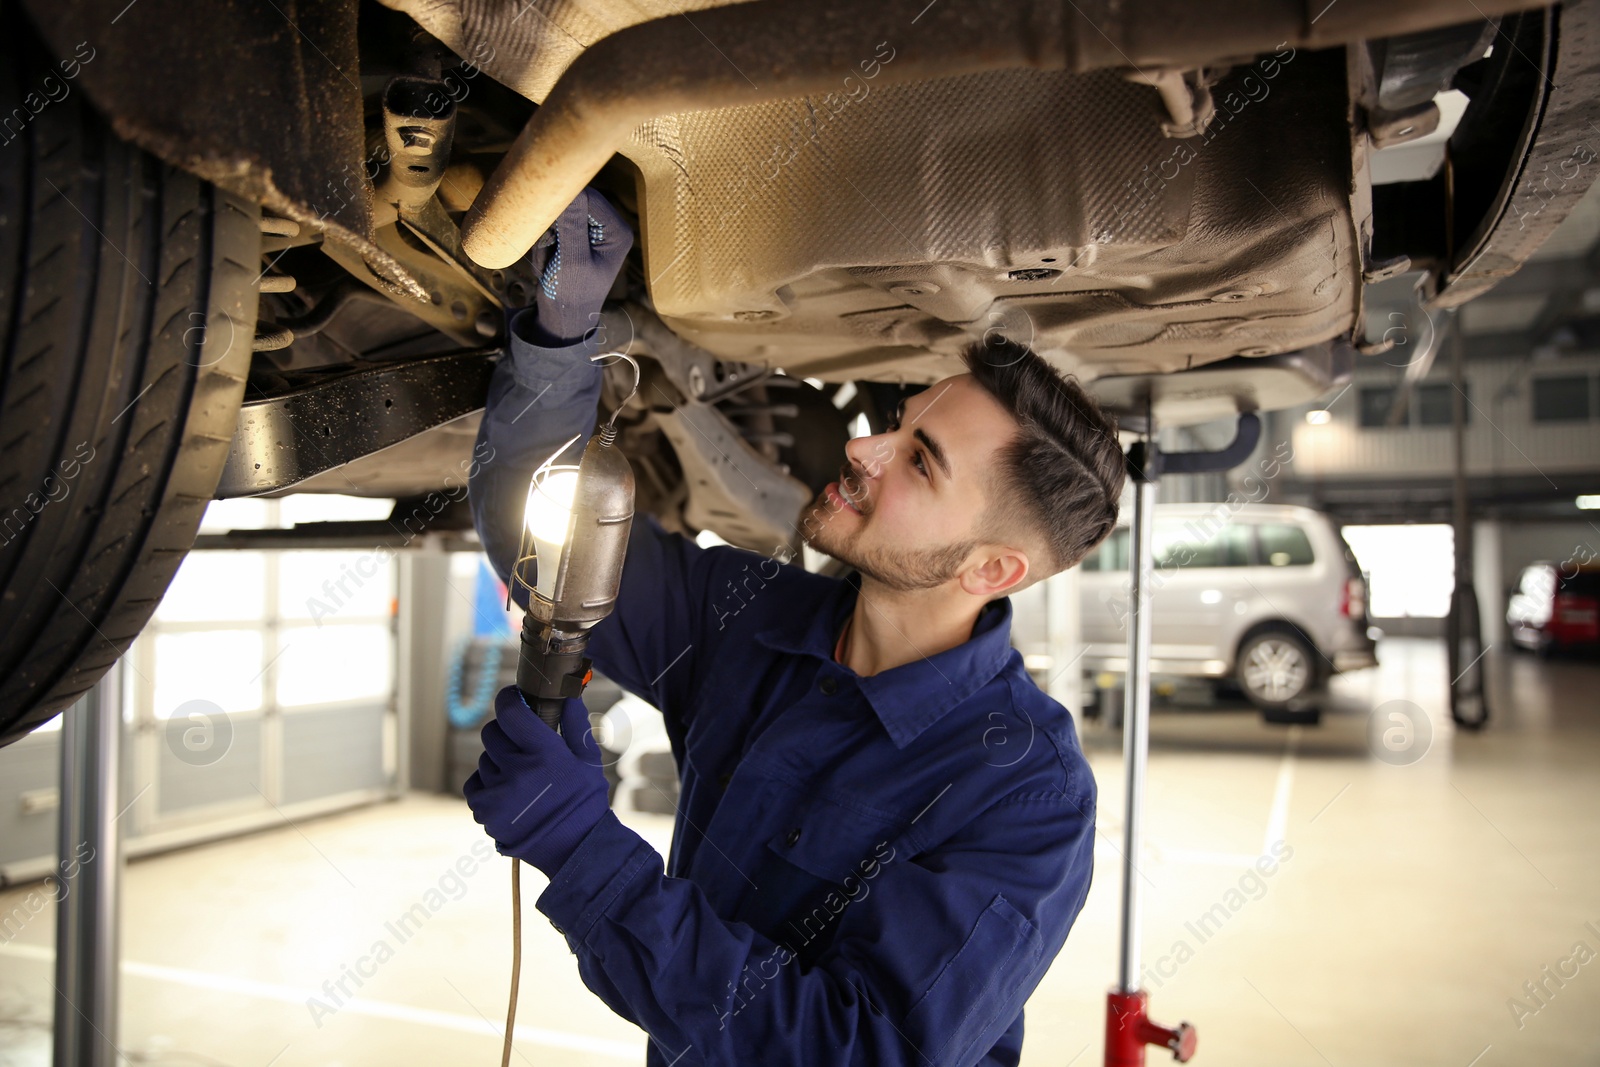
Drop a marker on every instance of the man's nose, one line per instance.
(862, 453)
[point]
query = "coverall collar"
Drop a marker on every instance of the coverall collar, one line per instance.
(913, 696)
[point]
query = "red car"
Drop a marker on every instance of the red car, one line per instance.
(1556, 606)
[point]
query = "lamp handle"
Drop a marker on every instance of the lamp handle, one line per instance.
(548, 677)
(549, 709)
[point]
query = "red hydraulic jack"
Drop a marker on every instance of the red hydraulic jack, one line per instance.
(1128, 1031)
(1128, 1028)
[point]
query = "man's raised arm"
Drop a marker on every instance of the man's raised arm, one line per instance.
(545, 389)
(543, 393)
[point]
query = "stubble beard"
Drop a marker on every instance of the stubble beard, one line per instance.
(903, 570)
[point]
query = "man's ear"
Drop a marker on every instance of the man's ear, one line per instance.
(994, 571)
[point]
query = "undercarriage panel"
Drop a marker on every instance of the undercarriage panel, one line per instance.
(878, 240)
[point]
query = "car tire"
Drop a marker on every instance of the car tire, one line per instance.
(1277, 670)
(127, 310)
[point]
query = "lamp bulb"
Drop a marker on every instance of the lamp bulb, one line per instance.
(549, 510)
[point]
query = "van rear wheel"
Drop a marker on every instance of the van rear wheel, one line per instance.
(1276, 670)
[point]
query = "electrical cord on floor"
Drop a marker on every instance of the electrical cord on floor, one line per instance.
(516, 956)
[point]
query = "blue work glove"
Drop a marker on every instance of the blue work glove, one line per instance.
(577, 260)
(536, 792)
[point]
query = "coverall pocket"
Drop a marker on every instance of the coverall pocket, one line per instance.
(834, 843)
(821, 861)
(978, 984)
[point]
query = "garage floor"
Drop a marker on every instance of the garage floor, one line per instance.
(1409, 907)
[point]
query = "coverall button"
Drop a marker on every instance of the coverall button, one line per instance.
(829, 686)
(794, 835)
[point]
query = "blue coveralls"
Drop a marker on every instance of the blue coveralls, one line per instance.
(863, 870)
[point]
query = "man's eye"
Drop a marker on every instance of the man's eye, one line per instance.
(917, 462)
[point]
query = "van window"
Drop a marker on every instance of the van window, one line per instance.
(1200, 543)
(1177, 544)
(1110, 555)
(1283, 545)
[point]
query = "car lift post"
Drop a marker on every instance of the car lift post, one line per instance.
(1128, 1027)
(88, 912)
(1469, 704)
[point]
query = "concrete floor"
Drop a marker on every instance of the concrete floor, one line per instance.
(1411, 904)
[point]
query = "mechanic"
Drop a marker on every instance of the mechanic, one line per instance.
(885, 829)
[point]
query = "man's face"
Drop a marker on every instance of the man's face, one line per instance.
(904, 508)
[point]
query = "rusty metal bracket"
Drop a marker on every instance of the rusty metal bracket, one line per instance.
(284, 440)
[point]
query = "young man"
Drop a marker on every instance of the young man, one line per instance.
(885, 829)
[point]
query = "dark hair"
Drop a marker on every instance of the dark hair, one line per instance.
(1064, 470)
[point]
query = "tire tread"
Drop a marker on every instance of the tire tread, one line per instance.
(109, 259)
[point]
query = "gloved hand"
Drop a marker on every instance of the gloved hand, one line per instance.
(536, 792)
(577, 260)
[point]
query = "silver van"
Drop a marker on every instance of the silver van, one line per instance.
(1268, 595)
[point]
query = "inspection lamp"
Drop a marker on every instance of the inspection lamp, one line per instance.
(575, 528)
(569, 560)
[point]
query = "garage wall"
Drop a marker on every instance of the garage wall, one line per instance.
(263, 690)
(1522, 543)
(265, 682)
(445, 601)
(1501, 393)
(29, 772)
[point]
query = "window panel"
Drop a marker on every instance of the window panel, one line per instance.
(1110, 554)
(1240, 543)
(1171, 546)
(1564, 399)
(1436, 402)
(1412, 567)
(334, 664)
(1375, 403)
(332, 507)
(1200, 543)
(222, 666)
(226, 586)
(1283, 545)
(240, 513)
(324, 585)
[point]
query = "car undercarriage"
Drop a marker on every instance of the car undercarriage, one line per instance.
(831, 201)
